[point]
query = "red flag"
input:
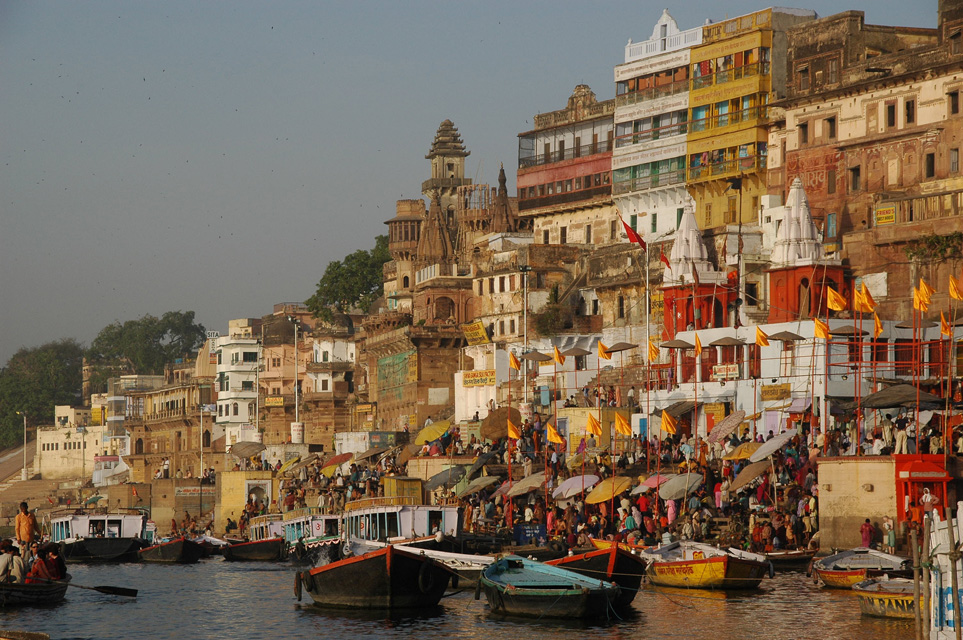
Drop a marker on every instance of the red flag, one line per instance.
(665, 260)
(632, 235)
(134, 491)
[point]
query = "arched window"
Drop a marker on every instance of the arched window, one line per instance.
(406, 282)
(139, 446)
(236, 409)
(206, 439)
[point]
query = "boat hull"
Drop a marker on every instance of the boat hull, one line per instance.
(885, 599)
(32, 595)
(174, 552)
(384, 579)
(790, 560)
(719, 572)
(258, 551)
(612, 565)
(94, 550)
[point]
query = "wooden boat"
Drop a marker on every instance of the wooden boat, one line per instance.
(98, 536)
(614, 564)
(625, 546)
(844, 569)
(257, 550)
(310, 535)
(388, 578)
(795, 560)
(881, 598)
(19, 594)
(517, 586)
(694, 565)
(180, 551)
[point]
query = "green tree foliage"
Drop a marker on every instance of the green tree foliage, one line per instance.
(355, 281)
(146, 345)
(34, 381)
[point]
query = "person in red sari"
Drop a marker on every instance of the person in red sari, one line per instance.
(40, 570)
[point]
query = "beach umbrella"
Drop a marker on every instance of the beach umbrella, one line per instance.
(495, 424)
(576, 352)
(480, 462)
(608, 489)
(726, 426)
(432, 432)
(677, 344)
(246, 449)
(786, 336)
(728, 342)
(406, 453)
(373, 452)
(448, 477)
(477, 485)
(526, 485)
(330, 466)
(749, 474)
(773, 445)
(537, 356)
(311, 458)
(640, 489)
(93, 500)
(574, 486)
(288, 464)
(656, 479)
(680, 486)
(621, 346)
(502, 489)
(743, 451)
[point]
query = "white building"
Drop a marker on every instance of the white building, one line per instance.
(236, 383)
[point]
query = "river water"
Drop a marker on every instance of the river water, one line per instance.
(217, 600)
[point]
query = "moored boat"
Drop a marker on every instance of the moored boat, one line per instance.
(178, 551)
(20, 594)
(843, 570)
(98, 536)
(613, 564)
(794, 560)
(388, 578)
(266, 550)
(881, 598)
(517, 586)
(694, 565)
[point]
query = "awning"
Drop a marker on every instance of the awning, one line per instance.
(677, 409)
(799, 405)
(923, 471)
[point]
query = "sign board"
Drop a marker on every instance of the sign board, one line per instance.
(274, 401)
(725, 371)
(885, 214)
(185, 492)
(529, 532)
(364, 408)
(213, 335)
(475, 333)
(481, 378)
(775, 392)
(658, 304)
(715, 409)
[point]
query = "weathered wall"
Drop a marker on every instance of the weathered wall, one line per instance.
(851, 490)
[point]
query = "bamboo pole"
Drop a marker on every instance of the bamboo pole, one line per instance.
(925, 559)
(954, 556)
(917, 614)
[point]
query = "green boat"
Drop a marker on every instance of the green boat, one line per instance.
(516, 586)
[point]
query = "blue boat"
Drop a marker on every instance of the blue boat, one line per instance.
(516, 586)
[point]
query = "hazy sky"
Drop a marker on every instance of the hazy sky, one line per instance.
(216, 156)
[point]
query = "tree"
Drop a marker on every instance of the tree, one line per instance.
(355, 281)
(147, 345)
(34, 381)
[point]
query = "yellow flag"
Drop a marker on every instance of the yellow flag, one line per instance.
(877, 327)
(604, 352)
(593, 426)
(955, 289)
(761, 338)
(698, 346)
(822, 329)
(668, 423)
(653, 351)
(926, 292)
(920, 303)
(868, 297)
(622, 425)
(945, 328)
(835, 300)
(553, 435)
(559, 358)
(513, 431)
(860, 302)
(513, 362)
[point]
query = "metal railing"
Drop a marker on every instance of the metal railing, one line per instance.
(730, 75)
(726, 119)
(648, 135)
(726, 167)
(651, 93)
(566, 154)
(664, 179)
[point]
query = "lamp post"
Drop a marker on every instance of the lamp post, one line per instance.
(525, 269)
(23, 472)
(294, 321)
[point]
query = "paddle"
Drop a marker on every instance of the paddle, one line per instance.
(114, 591)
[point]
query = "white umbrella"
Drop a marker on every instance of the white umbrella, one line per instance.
(525, 485)
(680, 486)
(771, 446)
(574, 486)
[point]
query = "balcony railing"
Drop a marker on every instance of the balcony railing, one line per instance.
(727, 167)
(564, 198)
(566, 154)
(726, 119)
(730, 75)
(649, 135)
(651, 93)
(664, 179)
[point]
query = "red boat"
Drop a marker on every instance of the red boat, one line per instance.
(179, 551)
(266, 550)
(613, 564)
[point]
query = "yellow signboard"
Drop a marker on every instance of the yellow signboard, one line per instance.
(274, 401)
(775, 391)
(886, 214)
(475, 333)
(658, 303)
(479, 378)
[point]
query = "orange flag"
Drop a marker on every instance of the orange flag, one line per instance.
(761, 338)
(877, 327)
(668, 423)
(926, 292)
(920, 303)
(653, 351)
(835, 300)
(698, 346)
(559, 358)
(513, 431)
(955, 289)
(553, 434)
(868, 297)
(622, 426)
(513, 362)
(822, 329)
(604, 352)
(945, 328)
(593, 425)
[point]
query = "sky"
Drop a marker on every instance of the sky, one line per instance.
(216, 156)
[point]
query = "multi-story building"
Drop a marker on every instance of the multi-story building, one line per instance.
(236, 385)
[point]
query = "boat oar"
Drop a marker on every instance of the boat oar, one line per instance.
(114, 591)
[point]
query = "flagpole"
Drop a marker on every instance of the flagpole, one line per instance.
(917, 353)
(648, 368)
(509, 445)
(857, 327)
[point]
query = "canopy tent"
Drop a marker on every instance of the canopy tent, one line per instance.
(902, 395)
(772, 445)
(680, 486)
(574, 486)
(608, 489)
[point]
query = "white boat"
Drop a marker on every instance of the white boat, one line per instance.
(308, 531)
(99, 536)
